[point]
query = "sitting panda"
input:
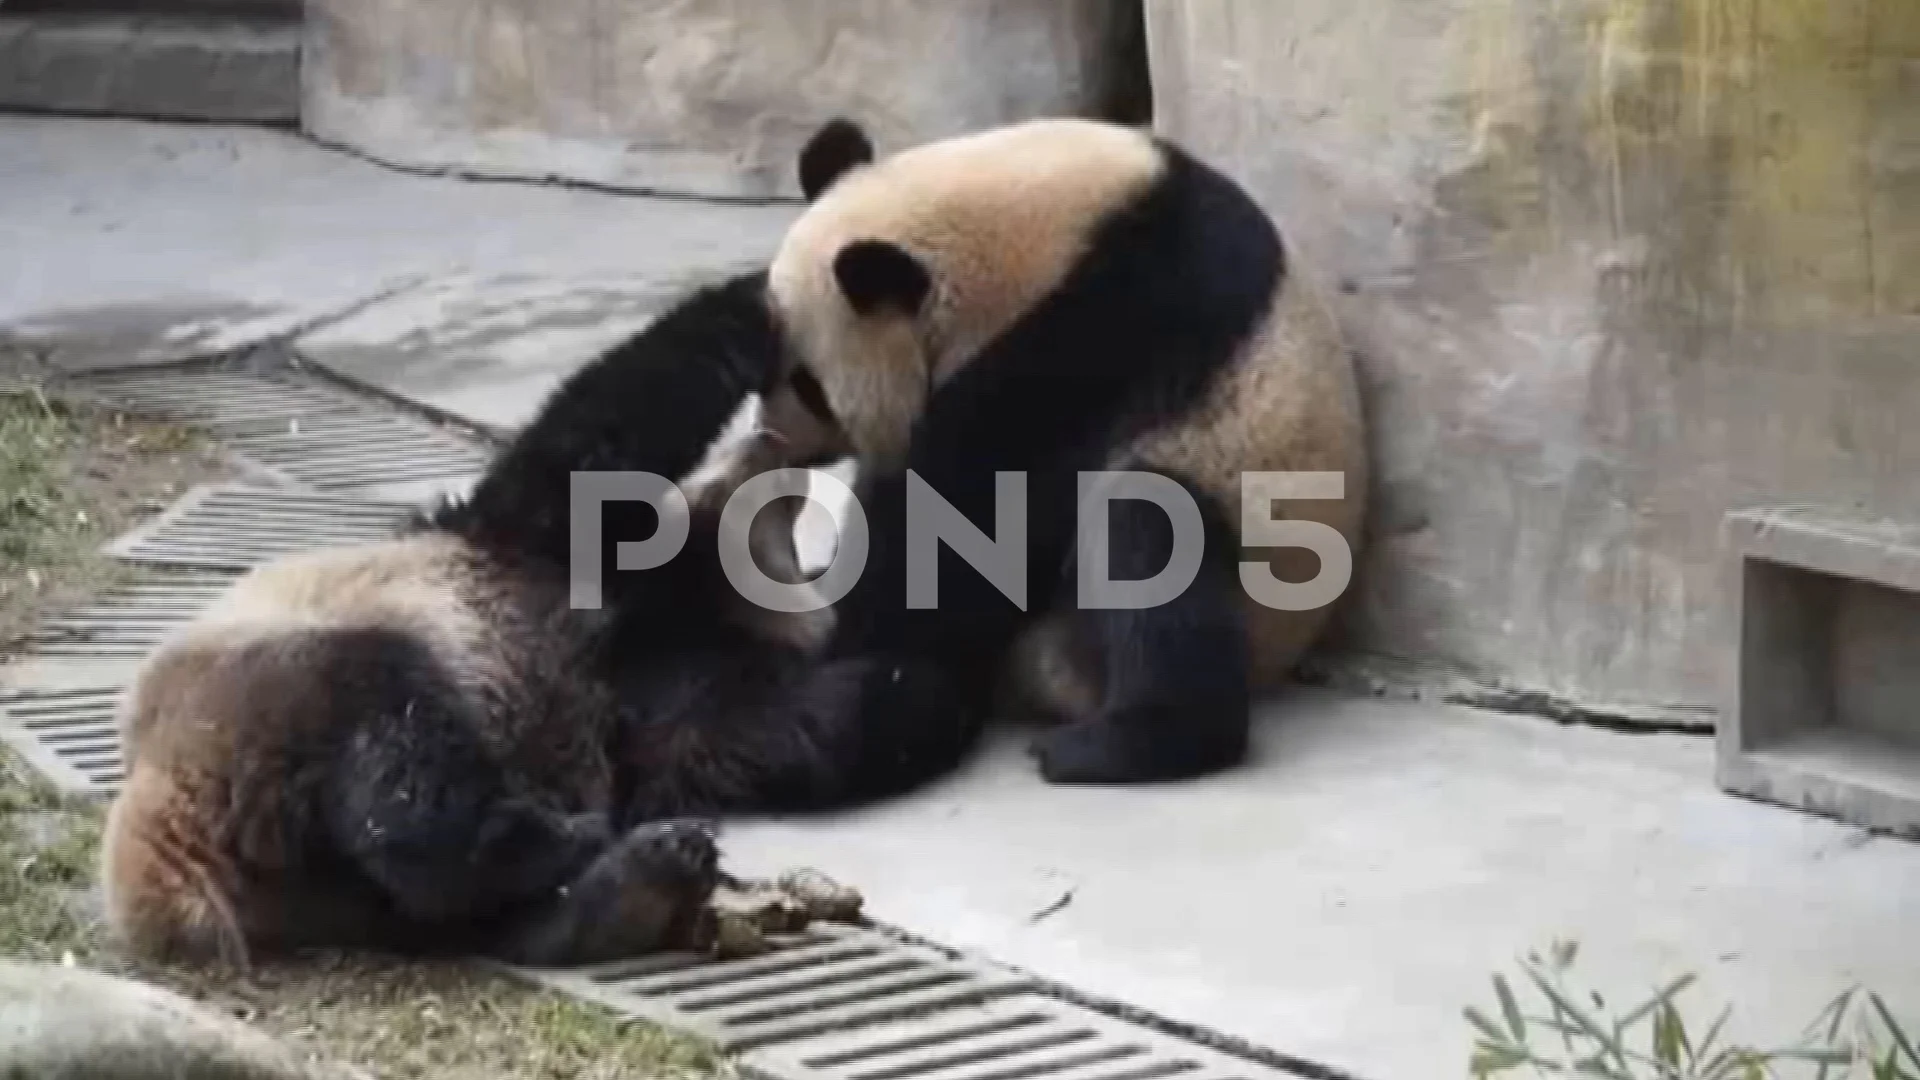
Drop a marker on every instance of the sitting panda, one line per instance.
(421, 745)
(1061, 297)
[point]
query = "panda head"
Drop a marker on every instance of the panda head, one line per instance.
(903, 268)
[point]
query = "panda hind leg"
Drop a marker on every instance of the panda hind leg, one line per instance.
(1173, 680)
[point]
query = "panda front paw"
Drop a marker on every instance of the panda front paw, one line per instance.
(682, 853)
(1080, 753)
(1135, 750)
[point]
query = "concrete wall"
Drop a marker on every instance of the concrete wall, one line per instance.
(706, 97)
(1613, 267)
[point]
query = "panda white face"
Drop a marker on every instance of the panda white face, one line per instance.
(901, 270)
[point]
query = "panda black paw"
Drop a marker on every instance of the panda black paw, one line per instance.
(1082, 753)
(681, 853)
(1106, 751)
(637, 897)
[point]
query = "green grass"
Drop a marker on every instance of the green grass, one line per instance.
(1552, 1029)
(70, 477)
(48, 847)
(41, 518)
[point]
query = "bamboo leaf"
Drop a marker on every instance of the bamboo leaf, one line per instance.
(1713, 1034)
(1666, 1038)
(1826, 1058)
(1510, 1007)
(1485, 1026)
(1673, 990)
(1491, 1060)
(1893, 1028)
(1592, 1030)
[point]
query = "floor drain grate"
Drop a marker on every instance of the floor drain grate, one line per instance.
(220, 400)
(309, 432)
(70, 736)
(828, 978)
(1024, 1037)
(127, 622)
(235, 527)
(341, 453)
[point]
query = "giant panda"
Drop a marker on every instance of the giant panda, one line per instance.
(422, 744)
(1063, 296)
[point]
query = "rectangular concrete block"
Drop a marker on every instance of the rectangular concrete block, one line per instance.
(1821, 682)
(62, 65)
(242, 70)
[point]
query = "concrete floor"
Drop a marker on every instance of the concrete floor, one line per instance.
(1347, 894)
(1339, 899)
(133, 241)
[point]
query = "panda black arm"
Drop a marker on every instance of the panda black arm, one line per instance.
(652, 403)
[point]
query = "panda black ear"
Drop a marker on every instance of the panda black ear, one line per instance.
(835, 149)
(875, 275)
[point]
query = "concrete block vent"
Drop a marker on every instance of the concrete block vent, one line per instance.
(1824, 666)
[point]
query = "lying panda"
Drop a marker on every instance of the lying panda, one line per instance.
(1058, 297)
(422, 745)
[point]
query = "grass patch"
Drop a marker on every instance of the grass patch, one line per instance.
(48, 847)
(448, 1020)
(71, 476)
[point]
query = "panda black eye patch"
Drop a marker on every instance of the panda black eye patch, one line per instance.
(875, 275)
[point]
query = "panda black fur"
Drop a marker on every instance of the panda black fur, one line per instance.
(1054, 297)
(420, 745)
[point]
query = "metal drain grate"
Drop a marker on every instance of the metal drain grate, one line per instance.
(359, 450)
(1028, 1037)
(314, 434)
(68, 735)
(220, 400)
(237, 527)
(828, 978)
(127, 622)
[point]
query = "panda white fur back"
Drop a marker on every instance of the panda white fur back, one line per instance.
(1065, 295)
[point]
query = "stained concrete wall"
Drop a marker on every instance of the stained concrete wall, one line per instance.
(1613, 267)
(704, 97)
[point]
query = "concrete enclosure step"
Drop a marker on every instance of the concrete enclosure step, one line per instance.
(199, 65)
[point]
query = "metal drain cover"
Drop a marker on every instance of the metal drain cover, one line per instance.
(126, 623)
(219, 400)
(311, 433)
(830, 977)
(341, 452)
(237, 527)
(1027, 1037)
(68, 735)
